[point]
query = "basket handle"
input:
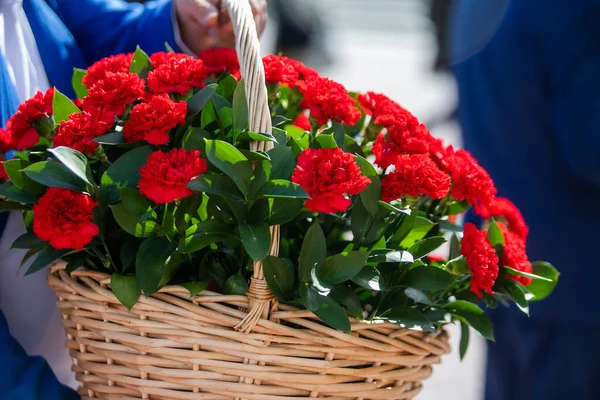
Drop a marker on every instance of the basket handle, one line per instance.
(261, 299)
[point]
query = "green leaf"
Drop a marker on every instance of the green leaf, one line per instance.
(44, 258)
(14, 170)
(345, 296)
(426, 246)
(130, 222)
(247, 136)
(371, 278)
(169, 48)
(284, 210)
(279, 276)
(11, 191)
(313, 252)
(365, 166)
(418, 296)
(283, 163)
(496, 238)
(512, 271)
(201, 235)
(427, 278)
(124, 172)
(279, 188)
(421, 227)
(199, 100)
(11, 205)
(135, 202)
(62, 107)
(390, 256)
(409, 318)
(464, 340)
(326, 141)
(256, 239)
(150, 263)
(28, 240)
(195, 139)
(111, 139)
(255, 155)
(75, 162)
(236, 284)
(125, 289)
(139, 61)
(342, 267)
(516, 292)
(240, 108)
(406, 225)
(216, 184)
(332, 314)
(77, 81)
(54, 174)
(227, 85)
(371, 196)
(232, 162)
(540, 289)
(473, 315)
(458, 207)
(195, 287)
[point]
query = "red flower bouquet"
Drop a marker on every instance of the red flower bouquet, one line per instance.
(152, 180)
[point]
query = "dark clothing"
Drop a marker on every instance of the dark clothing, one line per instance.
(534, 359)
(26, 378)
(528, 75)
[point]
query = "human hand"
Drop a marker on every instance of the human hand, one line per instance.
(205, 23)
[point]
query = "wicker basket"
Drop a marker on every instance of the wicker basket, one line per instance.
(214, 346)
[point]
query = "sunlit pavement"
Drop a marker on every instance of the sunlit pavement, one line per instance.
(388, 46)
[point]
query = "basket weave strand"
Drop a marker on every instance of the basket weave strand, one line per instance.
(172, 347)
(259, 120)
(213, 346)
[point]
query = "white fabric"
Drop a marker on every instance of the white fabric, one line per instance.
(17, 43)
(27, 302)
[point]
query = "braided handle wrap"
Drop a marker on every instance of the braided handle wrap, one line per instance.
(261, 300)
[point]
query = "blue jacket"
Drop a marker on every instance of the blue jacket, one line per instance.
(528, 75)
(69, 34)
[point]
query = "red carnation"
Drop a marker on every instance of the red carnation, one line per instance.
(151, 121)
(405, 134)
(160, 58)
(415, 175)
(220, 60)
(329, 175)
(377, 104)
(79, 131)
(515, 255)
(64, 219)
(471, 182)
(304, 72)
(327, 99)
(21, 124)
(441, 154)
(481, 259)
(280, 70)
(166, 175)
(98, 70)
(503, 208)
(115, 92)
(177, 74)
(302, 121)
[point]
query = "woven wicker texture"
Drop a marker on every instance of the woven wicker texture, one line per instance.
(172, 347)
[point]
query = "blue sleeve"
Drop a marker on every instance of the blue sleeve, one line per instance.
(568, 37)
(105, 27)
(26, 378)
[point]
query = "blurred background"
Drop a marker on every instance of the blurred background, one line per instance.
(392, 47)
